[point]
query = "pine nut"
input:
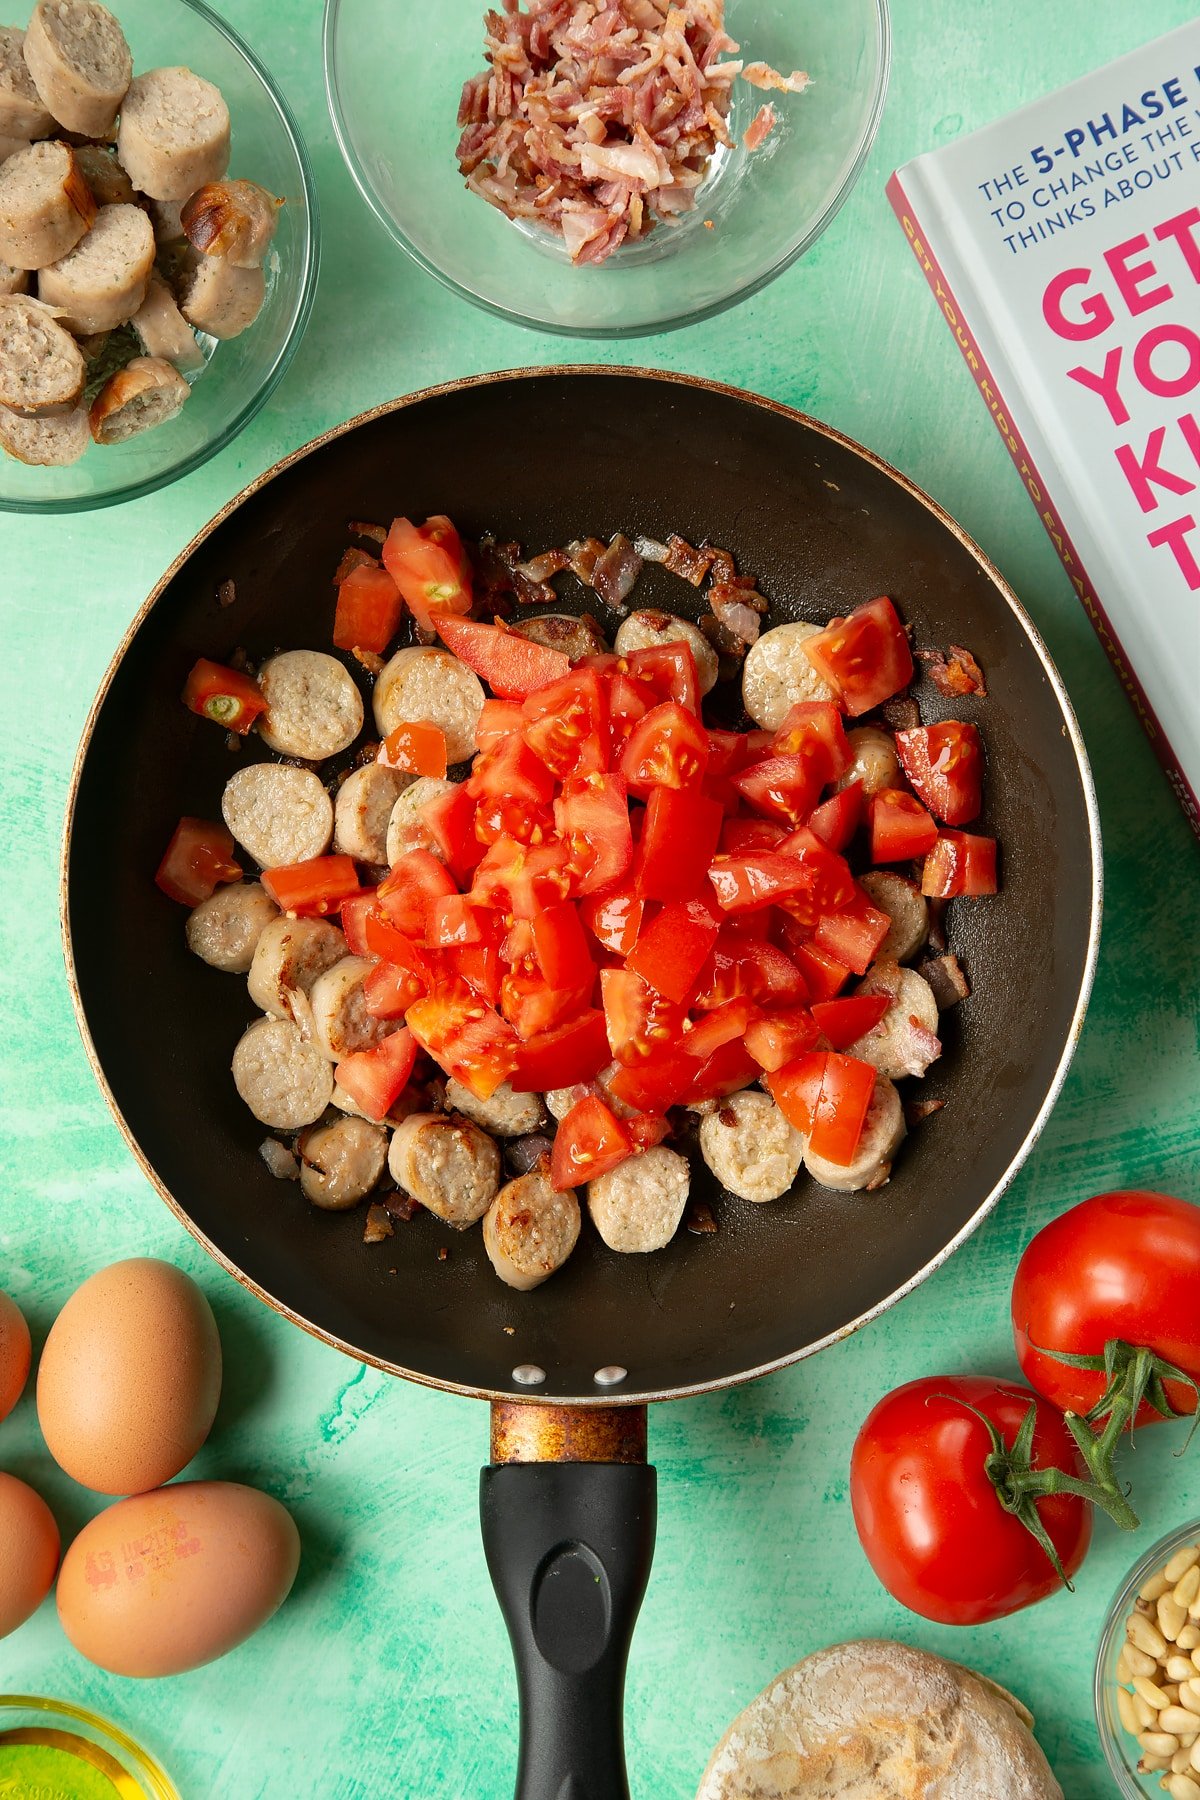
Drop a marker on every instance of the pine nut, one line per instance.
(1125, 1669)
(1156, 1585)
(1143, 1712)
(1150, 1692)
(1196, 1658)
(1171, 1617)
(1158, 1743)
(1150, 1765)
(1179, 1668)
(1180, 1563)
(1182, 1787)
(1188, 1587)
(1196, 1757)
(1181, 1762)
(1146, 1635)
(1179, 1720)
(1141, 1664)
(1189, 1638)
(1189, 1695)
(1127, 1712)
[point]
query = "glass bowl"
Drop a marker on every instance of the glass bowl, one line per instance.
(52, 1748)
(1120, 1749)
(394, 71)
(239, 375)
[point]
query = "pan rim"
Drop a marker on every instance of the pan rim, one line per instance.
(1082, 762)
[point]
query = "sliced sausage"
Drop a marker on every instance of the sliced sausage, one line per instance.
(174, 133)
(647, 630)
(561, 1100)
(103, 281)
(907, 908)
(163, 329)
(12, 281)
(225, 929)
(80, 63)
(529, 1231)
(777, 675)
(434, 687)
(905, 1041)
(882, 1134)
(288, 958)
(46, 442)
(576, 638)
(41, 366)
(279, 815)
(449, 1165)
(147, 392)
(285, 1081)
(232, 219)
(363, 811)
(875, 763)
(637, 1206)
(505, 1114)
(109, 183)
(751, 1147)
(341, 1162)
(46, 206)
(340, 1021)
(313, 710)
(23, 113)
(10, 145)
(406, 829)
(221, 299)
(166, 220)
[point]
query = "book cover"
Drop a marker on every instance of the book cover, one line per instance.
(1062, 245)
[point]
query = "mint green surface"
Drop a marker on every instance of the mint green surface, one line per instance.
(387, 1673)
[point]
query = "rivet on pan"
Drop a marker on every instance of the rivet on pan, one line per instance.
(529, 1375)
(610, 1375)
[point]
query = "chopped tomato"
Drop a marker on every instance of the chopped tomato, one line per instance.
(452, 921)
(571, 1053)
(375, 1079)
(728, 1024)
(673, 947)
(450, 821)
(312, 889)
(223, 695)
(826, 1097)
(481, 966)
(727, 753)
(727, 1071)
(759, 878)
(640, 1023)
(837, 819)
(666, 749)
(780, 1037)
(796, 1088)
(562, 949)
(197, 860)
(832, 888)
(813, 729)
(430, 568)
(657, 1085)
(945, 764)
(529, 876)
(853, 937)
(498, 720)
(354, 920)
(408, 893)
(465, 1037)
(901, 829)
(751, 969)
(567, 726)
(388, 991)
(417, 749)
(512, 665)
(646, 1130)
(783, 787)
(384, 939)
(670, 669)
(679, 839)
(824, 974)
(960, 864)
(369, 610)
(589, 1142)
(533, 1006)
(592, 817)
(865, 659)
(511, 772)
(740, 835)
(844, 1021)
(614, 919)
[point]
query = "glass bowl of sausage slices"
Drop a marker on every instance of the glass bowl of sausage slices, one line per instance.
(610, 168)
(532, 905)
(158, 247)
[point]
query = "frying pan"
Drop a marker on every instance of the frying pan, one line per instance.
(546, 456)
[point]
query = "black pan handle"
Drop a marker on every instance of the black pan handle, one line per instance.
(569, 1546)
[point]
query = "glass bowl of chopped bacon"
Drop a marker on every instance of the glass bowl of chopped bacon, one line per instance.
(606, 168)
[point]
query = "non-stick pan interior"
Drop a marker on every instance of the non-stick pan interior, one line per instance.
(544, 458)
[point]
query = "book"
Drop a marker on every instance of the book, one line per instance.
(1062, 245)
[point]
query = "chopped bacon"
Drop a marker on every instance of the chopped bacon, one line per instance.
(761, 75)
(955, 674)
(353, 558)
(761, 126)
(684, 559)
(945, 976)
(616, 573)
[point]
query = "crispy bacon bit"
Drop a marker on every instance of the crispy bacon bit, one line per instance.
(401, 1207)
(760, 128)
(955, 674)
(226, 593)
(378, 1225)
(443, 1254)
(363, 528)
(539, 569)
(902, 713)
(945, 976)
(502, 572)
(684, 559)
(761, 75)
(584, 554)
(650, 550)
(701, 1220)
(279, 1160)
(917, 1111)
(371, 662)
(353, 558)
(616, 573)
(739, 607)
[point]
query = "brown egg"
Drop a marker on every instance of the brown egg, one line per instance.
(14, 1354)
(28, 1552)
(130, 1377)
(166, 1581)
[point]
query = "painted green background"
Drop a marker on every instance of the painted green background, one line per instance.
(387, 1673)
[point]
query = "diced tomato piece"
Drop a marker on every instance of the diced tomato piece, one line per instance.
(465, 1037)
(837, 819)
(654, 1086)
(853, 937)
(646, 1130)
(450, 821)
(512, 665)
(666, 749)
(389, 991)
(225, 696)
(312, 889)
(354, 921)
(727, 753)
(759, 878)
(901, 829)
(430, 568)
(726, 1025)
(453, 921)
(375, 1079)
(384, 939)
(751, 969)
(960, 864)
(865, 659)
(498, 720)
(832, 887)
(796, 1088)
(530, 877)
(408, 893)
(510, 771)
(533, 1006)
(741, 835)
(562, 949)
(813, 729)
(780, 1037)
(823, 973)
(588, 1143)
(783, 787)
(844, 1021)
(417, 749)
(673, 947)
(369, 610)
(640, 1023)
(567, 725)
(614, 919)
(592, 817)
(197, 860)
(945, 764)
(481, 966)
(826, 1097)
(727, 1071)
(670, 669)
(571, 1053)
(679, 840)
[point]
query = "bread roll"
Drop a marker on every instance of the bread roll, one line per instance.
(146, 392)
(22, 112)
(41, 366)
(80, 63)
(48, 442)
(870, 1720)
(46, 205)
(222, 299)
(103, 281)
(174, 133)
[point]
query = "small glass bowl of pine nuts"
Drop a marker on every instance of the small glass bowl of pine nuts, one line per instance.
(1148, 1673)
